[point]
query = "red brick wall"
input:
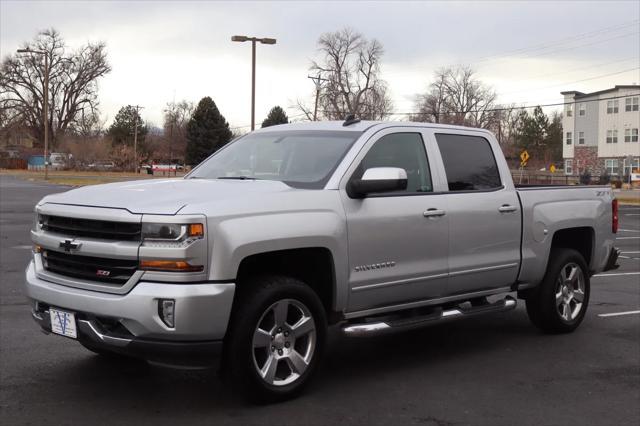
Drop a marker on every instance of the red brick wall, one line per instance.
(586, 158)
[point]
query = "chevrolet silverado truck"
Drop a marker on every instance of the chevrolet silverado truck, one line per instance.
(370, 227)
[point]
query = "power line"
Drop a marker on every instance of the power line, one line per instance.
(615, 61)
(522, 107)
(583, 45)
(575, 81)
(249, 125)
(546, 45)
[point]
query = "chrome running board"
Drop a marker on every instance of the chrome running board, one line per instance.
(439, 315)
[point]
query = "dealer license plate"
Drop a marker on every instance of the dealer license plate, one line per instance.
(63, 323)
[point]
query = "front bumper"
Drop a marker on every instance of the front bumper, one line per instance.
(131, 324)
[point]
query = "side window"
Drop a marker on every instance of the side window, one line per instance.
(402, 150)
(468, 162)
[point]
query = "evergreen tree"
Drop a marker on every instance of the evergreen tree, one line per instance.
(275, 116)
(554, 138)
(207, 131)
(122, 129)
(532, 132)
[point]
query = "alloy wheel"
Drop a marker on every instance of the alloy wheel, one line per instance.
(284, 342)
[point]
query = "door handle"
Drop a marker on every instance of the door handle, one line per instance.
(506, 208)
(433, 213)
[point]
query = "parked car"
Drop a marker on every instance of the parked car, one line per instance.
(58, 160)
(373, 227)
(101, 165)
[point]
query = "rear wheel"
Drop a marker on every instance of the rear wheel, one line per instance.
(275, 338)
(559, 304)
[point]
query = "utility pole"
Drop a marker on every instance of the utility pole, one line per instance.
(253, 41)
(317, 80)
(45, 105)
(173, 119)
(135, 140)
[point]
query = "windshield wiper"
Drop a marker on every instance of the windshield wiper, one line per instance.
(237, 177)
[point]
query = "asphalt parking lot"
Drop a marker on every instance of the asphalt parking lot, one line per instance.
(493, 370)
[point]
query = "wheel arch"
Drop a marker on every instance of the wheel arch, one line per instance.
(581, 239)
(314, 266)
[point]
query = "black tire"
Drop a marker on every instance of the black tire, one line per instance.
(254, 302)
(542, 303)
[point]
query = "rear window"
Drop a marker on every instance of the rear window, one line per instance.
(468, 162)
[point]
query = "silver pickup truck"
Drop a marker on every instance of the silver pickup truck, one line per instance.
(372, 227)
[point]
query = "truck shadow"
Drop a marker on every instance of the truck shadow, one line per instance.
(350, 364)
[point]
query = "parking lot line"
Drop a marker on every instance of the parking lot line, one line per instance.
(629, 230)
(617, 274)
(628, 238)
(617, 314)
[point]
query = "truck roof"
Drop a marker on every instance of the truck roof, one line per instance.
(359, 126)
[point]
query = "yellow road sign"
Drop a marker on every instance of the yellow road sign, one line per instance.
(524, 156)
(552, 169)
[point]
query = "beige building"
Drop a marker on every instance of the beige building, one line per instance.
(600, 131)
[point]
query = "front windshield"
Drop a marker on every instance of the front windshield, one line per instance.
(301, 159)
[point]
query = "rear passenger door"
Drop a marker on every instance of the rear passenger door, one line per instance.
(484, 214)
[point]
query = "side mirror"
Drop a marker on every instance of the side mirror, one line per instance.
(378, 180)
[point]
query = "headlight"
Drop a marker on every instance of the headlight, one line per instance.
(171, 234)
(179, 237)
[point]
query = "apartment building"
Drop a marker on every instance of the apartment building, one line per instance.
(600, 131)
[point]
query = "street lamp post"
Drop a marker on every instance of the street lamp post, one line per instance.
(253, 41)
(45, 106)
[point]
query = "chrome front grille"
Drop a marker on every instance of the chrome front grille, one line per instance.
(113, 271)
(102, 229)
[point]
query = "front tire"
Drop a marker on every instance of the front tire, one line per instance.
(275, 339)
(560, 302)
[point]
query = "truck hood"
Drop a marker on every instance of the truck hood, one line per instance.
(166, 196)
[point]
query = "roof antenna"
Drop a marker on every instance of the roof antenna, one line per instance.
(351, 119)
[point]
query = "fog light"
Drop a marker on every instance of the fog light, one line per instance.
(166, 310)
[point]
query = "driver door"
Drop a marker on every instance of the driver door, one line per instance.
(397, 248)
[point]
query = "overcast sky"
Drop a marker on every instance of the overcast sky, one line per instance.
(528, 51)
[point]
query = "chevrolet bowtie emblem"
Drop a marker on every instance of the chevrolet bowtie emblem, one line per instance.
(69, 246)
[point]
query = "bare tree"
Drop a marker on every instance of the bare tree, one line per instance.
(432, 105)
(457, 97)
(72, 83)
(176, 117)
(351, 66)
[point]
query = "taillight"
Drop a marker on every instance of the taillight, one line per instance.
(614, 216)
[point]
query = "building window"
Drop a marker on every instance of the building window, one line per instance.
(631, 135)
(631, 166)
(569, 138)
(612, 136)
(612, 107)
(631, 104)
(611, 165)
(582, 110)
(568, 167)
(580, 138)
(570, 110)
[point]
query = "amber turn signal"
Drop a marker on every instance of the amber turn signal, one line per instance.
(169, 266)
(196, 230)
